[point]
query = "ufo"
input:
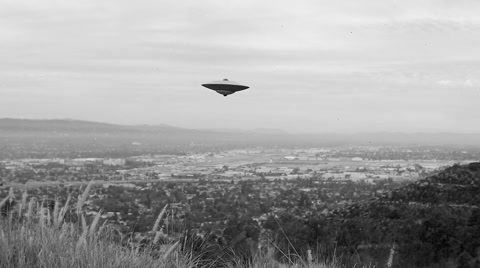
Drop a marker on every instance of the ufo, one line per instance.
(225, 87)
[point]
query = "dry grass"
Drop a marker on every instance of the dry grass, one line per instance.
(33, 236)
(267, 260)
(31, 245)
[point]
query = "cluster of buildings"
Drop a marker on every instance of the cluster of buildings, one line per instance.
(344, 164)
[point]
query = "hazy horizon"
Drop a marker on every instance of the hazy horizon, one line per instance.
(253, 130)
(312, 66)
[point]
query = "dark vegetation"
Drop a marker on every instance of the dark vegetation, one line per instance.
(433, 221)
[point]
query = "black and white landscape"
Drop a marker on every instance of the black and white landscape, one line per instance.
(344, 134)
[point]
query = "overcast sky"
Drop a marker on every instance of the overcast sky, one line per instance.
(312, 66)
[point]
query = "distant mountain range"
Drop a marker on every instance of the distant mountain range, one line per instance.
(62, 128)
(73, 126)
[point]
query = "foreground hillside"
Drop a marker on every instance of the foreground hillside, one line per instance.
(34, 235)
(435, 220)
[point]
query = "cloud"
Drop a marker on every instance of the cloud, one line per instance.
(468, 83)
(304, 61)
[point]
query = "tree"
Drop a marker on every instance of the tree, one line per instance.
(304, 201)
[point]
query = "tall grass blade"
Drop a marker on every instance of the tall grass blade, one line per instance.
(4, 201)
(158, 234)
(24, 198)
(56, 211)
(100, 231)
(84, 224)
(49, 217)
(82, 198)
(159, 218)
(8, 198)
(30, 208)
(23, 204)
(64, 210)
(11, 194)
(170, 250)
(93, 226)
(42, 217)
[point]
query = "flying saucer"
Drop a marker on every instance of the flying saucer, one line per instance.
(225, 87)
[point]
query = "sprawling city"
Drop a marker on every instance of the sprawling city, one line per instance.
(234, 199)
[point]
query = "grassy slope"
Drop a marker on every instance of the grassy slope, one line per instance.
(31, 245)
(33, 236)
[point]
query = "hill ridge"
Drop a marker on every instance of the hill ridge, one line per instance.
(455, 186)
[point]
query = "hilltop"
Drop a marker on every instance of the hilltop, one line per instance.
(456, 186)
(77, 131)
(72, 127)
(433, 220)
